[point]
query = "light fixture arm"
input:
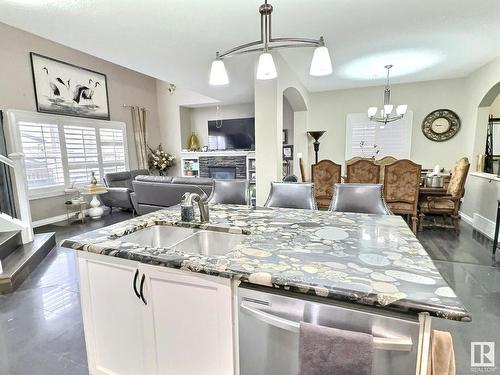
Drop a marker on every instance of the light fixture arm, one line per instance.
(267, 42)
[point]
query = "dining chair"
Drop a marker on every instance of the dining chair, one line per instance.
(386, 160)
(291, 195)
(363, 171)
(401, 188)
(449, 203)
(325, 175)
(230, 192)
(359, 198)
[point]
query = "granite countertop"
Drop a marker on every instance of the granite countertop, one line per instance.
(363, 259)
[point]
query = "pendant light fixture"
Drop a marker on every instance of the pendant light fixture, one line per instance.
(321, 63)
(386, 111)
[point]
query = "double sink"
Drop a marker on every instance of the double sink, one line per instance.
(187, 240)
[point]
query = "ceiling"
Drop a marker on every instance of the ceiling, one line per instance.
(176, 40)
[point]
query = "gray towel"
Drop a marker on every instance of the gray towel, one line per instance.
(325, 351)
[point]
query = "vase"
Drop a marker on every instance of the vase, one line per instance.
(194, 143)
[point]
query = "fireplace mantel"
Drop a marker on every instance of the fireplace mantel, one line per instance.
(189, 154)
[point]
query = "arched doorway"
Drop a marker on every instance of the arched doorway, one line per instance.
(295, 127)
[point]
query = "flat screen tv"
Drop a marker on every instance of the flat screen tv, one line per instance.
(233, 134)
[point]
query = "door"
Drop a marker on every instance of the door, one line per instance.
(188, 322)
(112, 315)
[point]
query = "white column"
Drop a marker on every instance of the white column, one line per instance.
(268, 136)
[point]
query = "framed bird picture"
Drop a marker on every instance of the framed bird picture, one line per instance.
(67, 89)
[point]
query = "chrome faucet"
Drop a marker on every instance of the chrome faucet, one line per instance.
(203, 206)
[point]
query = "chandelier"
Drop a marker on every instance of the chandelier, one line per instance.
(386, 111)
(321, 64)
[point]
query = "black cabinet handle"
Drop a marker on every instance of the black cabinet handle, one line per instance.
(142, 289)
(135, 283)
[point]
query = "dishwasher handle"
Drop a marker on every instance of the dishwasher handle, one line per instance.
(401, 344)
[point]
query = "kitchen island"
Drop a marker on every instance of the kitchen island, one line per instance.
(361, 261)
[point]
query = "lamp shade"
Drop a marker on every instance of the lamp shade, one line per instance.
(372, 111)
(321, 64)
(388, 109)
(218, 74)
(401, 109)
(266, 68)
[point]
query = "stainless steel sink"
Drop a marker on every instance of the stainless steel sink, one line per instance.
(209, 243)
(158, 236)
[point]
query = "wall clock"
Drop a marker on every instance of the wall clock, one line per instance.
(441, 125)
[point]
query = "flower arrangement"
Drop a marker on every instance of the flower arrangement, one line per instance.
(364, 147)
(160, 160)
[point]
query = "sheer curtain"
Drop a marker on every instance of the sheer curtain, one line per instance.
(139, 123)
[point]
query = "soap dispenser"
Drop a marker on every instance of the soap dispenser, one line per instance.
(187, 210)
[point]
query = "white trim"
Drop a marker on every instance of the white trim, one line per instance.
(487, 176)
(466, 218)
(54, 219)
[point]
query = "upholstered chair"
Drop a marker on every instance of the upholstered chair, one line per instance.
(359, 198)
(291, 195)
(449, 203)
(230, 192)
(386, 160)
(401, 189)
(325, 175)
(363, 171)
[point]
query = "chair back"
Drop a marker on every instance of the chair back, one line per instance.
(325, 175)
(386, 160)
(360, 198)
(456, 186)
(353, 160)
(363, 171)
(401, 186)
(230, 192)
(303, 173)
(291, 195)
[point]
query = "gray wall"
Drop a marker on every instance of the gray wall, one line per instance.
(124, 87)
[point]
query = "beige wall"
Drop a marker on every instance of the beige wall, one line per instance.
(495, 107)
(124, 87)
(329, 109)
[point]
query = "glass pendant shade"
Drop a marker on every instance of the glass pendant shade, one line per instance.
(321, 64)
(372, 111)
(401, 109)
(266, 68)
(388, 109)
(218, 74)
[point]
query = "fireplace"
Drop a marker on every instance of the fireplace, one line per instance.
(222, 173)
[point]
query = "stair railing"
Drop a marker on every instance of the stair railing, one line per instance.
(16, 162)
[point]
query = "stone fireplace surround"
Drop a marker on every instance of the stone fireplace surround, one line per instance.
(237, 161)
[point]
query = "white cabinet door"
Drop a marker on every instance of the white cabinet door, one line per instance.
(112, 315)
(187, 322)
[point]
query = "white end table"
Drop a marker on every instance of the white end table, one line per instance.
(95, 211)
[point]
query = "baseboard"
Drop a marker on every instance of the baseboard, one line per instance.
(466, 218)
(52, 220)
(480, 223)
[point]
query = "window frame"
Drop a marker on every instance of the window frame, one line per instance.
(354, 118)
(14, 136)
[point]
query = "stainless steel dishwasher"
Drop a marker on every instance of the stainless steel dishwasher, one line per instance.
(269, 332)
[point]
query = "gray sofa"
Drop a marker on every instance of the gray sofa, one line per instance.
(152, 193)
(119, 186)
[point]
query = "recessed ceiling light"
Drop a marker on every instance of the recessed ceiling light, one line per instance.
(407, 61)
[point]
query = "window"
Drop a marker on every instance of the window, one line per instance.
(364, 137)
(60, 151)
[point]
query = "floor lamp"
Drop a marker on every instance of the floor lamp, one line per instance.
(316, 135)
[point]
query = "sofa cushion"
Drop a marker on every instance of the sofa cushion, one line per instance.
(193, 181)
(137, 172)
(159, 179)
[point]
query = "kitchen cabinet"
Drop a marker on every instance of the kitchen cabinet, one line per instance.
(174, 322)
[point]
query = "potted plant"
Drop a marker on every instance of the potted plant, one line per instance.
(160, 160)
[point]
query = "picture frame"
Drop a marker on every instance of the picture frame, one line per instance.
(204, 149)
(251, 164)
(63, 88)
(288, 152)
(251, 176)
(285, 136)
